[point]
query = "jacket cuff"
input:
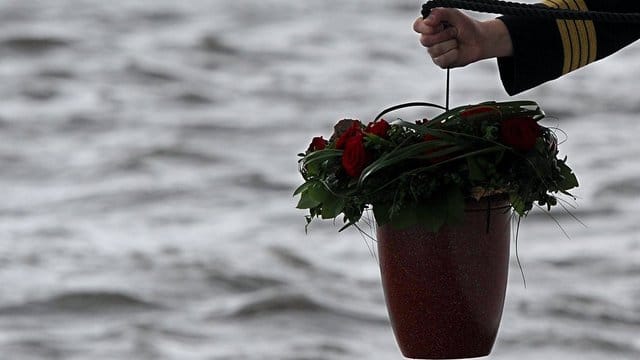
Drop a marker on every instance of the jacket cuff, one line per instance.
(537, 53)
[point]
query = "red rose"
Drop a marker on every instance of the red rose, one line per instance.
(354, 130)
(378, 128)
(479, 112)
(318, 143)
(520, 133)
(354, 157)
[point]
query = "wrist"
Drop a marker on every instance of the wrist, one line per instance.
(496, 39)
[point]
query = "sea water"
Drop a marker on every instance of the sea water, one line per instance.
(148, 159)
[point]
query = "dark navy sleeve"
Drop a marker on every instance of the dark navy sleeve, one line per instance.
(544, 50)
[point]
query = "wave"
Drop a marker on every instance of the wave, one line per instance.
(32, 44)
(81, 302)
(241, 283)
(258, 181)
(578, 261)
(120, 199)
(159, 16)
(57, 74)
(146, 74)
(590, 309)
(34, 349)
(180, 155)
(571, 214)
(214, 44)
(580, 341)
(623, 188)
(277, 301)
(142, 160)
(191, 97)
(287, 257)
(585, 309)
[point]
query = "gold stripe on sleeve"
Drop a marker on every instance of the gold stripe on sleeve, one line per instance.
(565, 36)
(591, 33)
(582, 36)
(575, 44)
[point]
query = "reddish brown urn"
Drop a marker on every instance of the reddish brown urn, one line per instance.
(445, 291)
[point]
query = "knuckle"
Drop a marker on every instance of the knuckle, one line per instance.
(452, 44)
(440, 62)
(428, 41)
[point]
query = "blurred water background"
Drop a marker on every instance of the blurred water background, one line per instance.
(148, 159)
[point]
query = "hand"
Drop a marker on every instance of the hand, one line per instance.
(453, 39)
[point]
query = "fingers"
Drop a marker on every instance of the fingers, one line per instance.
(435, 28)
(428, 40)
(438, 33)
(444, 54)
(422, 26)
(442, 15)
(448, 59)
(442, 48)
(435, 19)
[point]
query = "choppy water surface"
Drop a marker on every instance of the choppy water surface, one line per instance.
(148, 156)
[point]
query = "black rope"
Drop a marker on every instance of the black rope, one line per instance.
(530, 10)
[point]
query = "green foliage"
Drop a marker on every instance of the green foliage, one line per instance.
(425, 172)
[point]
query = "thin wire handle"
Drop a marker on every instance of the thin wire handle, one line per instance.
(446, 104)
(406, 105)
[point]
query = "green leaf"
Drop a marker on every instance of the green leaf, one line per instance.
(475, 170)
(313, 194)
(400, 154)
(302, 188)
(569, 179)
(431, 214)
(445, 207)
(318, 192)
(332, 206)
(313, 161)
(306, 202)
(518, 204)
(321, 155)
